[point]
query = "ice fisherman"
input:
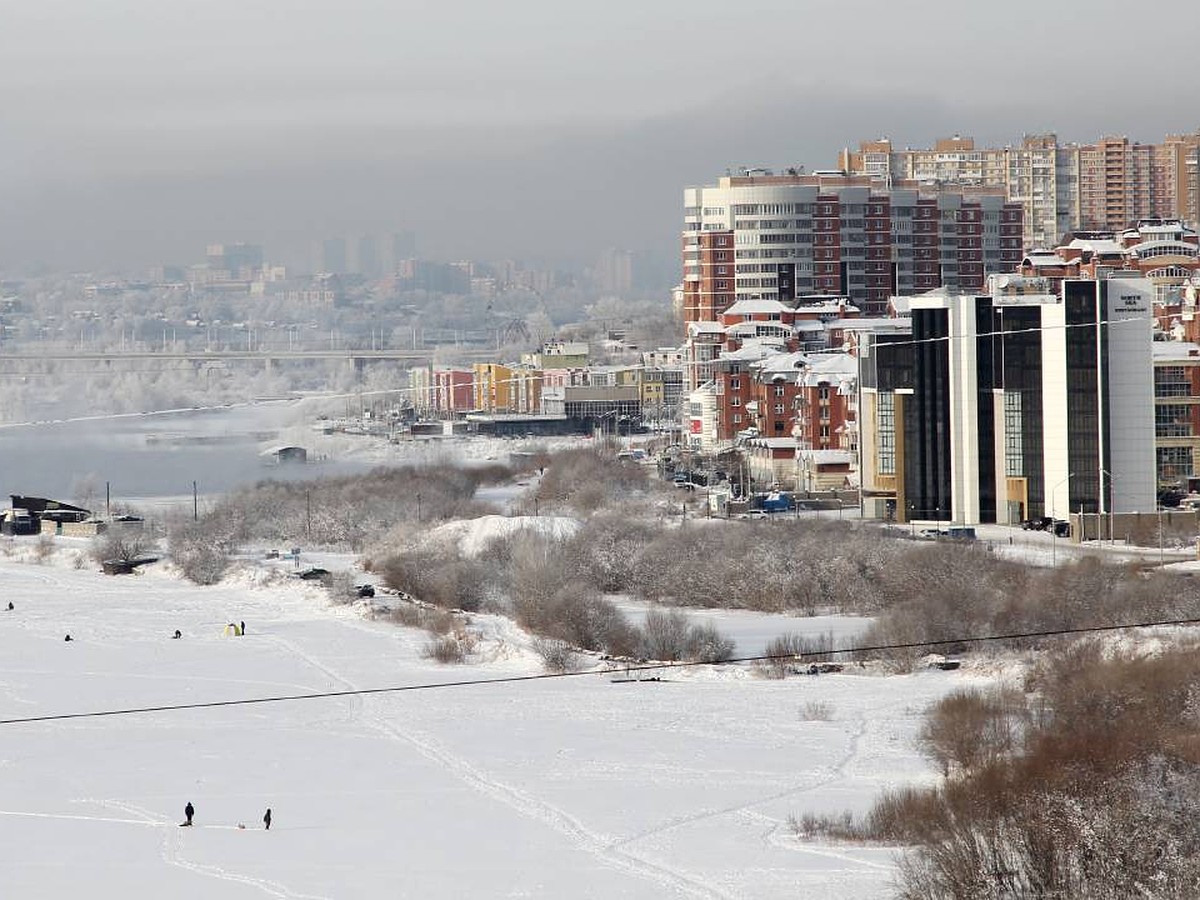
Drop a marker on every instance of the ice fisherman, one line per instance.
(67, 638)
(10, 606)
(188, 812)
(177, 635)
(267, 819)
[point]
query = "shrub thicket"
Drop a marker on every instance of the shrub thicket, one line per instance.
(1086, 788)
(348, 511)
(202, 549)
(972, 595)
(586, 480)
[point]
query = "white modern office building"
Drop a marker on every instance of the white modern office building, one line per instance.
(1027, 401)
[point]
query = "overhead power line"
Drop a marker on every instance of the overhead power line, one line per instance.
(549, 676)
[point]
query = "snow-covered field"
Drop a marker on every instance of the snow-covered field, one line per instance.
(574, 787)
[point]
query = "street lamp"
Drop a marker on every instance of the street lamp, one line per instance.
(1053, 521)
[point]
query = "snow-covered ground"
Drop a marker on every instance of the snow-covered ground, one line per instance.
(574, 787)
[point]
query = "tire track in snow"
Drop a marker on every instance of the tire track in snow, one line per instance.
(837, 771)
(558, 819)
(354, 707)
(520, 801)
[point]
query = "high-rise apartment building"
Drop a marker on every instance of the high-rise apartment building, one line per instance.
(613, 272)
(761, 236)
(239, 261)
(366, 260)
(1105, 185)
(1184, 153)
(333, 256)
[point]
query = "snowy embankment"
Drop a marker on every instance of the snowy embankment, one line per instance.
(576, 787)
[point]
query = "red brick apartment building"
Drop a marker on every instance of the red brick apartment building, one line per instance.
(779, 237)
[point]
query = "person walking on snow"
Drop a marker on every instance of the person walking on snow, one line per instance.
(243, 631)
(267, 819)
(188, 812)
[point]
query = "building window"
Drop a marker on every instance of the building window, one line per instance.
(1172, 420)
(735, 384)
(1174, 464)
(1171, 381)
(779, 389)
(1014, 443)
(779, 409)
(735, 400)
(885, 426)
(737, 418)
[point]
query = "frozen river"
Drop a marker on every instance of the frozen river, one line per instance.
(151, 455)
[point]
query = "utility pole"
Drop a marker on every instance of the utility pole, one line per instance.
(195, 503)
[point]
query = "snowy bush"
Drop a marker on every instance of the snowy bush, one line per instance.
(816, 711)
(607, 548)
(970, 728)
(1089, 791)
(201, 549)
(124, 544)
(557, 656)
(668, 635)
(789, 652)
(351, 511)
(442, 579)
(341, 587)
(588, 479)
(952, 595)
(43, 549)
(451, 648)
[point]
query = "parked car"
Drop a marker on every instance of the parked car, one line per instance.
(1040, 523)
(314, 573)
(1062, 528)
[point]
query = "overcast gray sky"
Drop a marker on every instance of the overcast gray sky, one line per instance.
(136, 131)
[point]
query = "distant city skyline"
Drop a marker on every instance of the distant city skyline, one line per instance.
(129, 137)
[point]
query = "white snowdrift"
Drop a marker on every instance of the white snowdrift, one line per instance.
(472, 536)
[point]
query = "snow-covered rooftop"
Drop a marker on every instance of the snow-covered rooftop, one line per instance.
(1164, 350)
(826, 457)
(755, 307)
(1099, 246)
